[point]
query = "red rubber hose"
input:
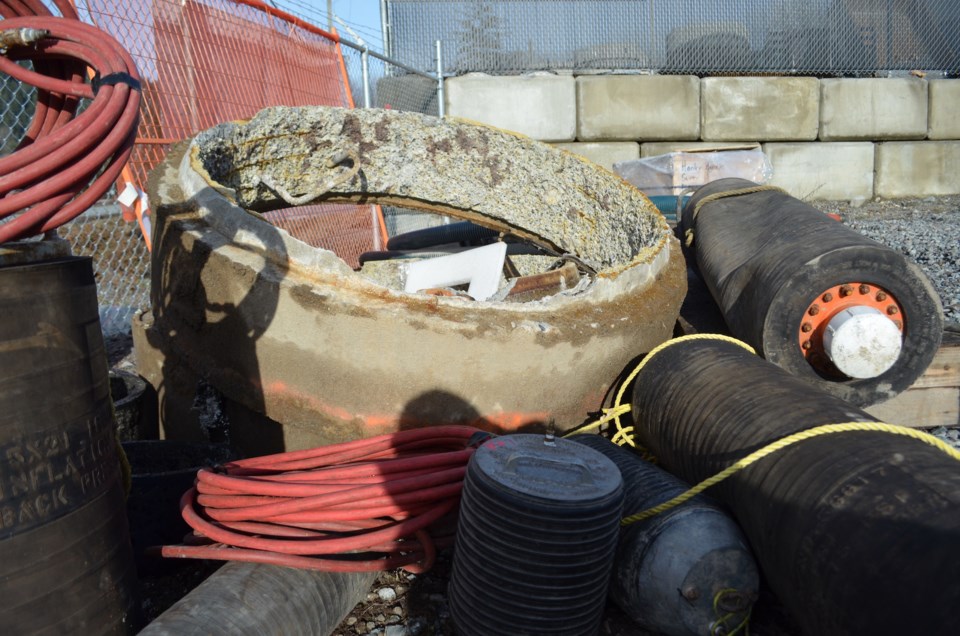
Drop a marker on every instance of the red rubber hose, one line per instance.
(363, 505)
(16, 8)
(65, 164)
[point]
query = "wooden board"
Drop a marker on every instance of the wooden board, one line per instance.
(921, 408)
(944, 371)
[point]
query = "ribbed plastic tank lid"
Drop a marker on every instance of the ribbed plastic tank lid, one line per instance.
(546, 468)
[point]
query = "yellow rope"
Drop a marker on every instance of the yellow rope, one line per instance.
(624, 435)
(688, 235)
(722, 620)
(609, 414)
(780, 444)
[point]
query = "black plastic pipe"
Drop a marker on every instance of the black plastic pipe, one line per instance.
(767, 257)
(513, 249)
(685, 572)
(458, 232)
(855, 532)
(250, 599)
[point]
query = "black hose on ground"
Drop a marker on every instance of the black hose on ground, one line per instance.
(249, 599)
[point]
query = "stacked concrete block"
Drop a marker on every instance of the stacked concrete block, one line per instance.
(824, 171)
(539, 105)
(764, 108)
(944, 110)
(917, 169)
(638, 107)
(604, 153)
(875, 109)
(826, 139)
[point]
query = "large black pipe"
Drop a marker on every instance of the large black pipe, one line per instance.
(251, 599)
(768, 258)
(855, 532)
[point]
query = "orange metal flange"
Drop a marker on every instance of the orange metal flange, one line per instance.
(832, 301)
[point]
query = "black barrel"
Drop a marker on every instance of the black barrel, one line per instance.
(779, 269)
(65, 561)
(684, 572)
(536, 538)
(853, 531)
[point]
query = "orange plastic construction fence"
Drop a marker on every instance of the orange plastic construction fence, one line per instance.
(204, 62)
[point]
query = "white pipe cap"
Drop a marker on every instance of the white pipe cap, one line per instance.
(862, 342)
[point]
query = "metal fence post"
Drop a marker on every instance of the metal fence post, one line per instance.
(365, 70)
(441, 107)
(385, 26)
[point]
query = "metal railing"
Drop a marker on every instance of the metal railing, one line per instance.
(383, 82)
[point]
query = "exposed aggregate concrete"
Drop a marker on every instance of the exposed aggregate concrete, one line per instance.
(472, 171)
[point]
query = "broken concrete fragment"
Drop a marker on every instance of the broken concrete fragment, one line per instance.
(496, 179)
(326, 354)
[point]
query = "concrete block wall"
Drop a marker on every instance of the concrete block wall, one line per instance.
(541, 105)
(621, 107)
(761, 108)
(826, 138)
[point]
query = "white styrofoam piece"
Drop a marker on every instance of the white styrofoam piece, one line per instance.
(129, 195)
(480, 267)
(862, 342)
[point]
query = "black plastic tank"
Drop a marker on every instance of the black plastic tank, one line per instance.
(853, 531)
(536, 538)
(686, 571)
(66, 565)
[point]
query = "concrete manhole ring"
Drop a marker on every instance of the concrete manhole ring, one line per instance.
(291, 332)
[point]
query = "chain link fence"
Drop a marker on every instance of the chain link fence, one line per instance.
(379, 82)
(389, 84)
(818, 37)
(195, 59)
(16, 109)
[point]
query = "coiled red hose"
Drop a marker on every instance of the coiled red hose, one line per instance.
(378, 495)
(64, 163)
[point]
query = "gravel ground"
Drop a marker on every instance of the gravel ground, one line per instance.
(927, 231)
(400, 604)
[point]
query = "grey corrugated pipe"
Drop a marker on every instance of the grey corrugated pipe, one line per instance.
(261, 600)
